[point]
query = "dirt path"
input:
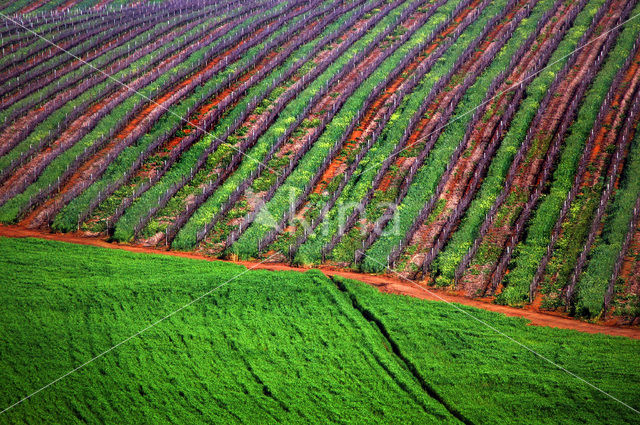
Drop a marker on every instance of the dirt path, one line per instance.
(385, 284)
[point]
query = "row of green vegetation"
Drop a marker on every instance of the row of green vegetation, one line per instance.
(186, 238)
(575, 231)
(39, 45)
(309, 165)
(446, 263)
(182, 168)
(529, 252)
(52, 5)
(172, 118)
(235, 134)
(279, 347)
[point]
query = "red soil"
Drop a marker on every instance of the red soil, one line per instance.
(67, 5)
(607, 134)
(202, 111)
(364, 128)
(33, 6)
(101, 4)
(148, 170)
(255, 120)
(388, 284)
(630, 272)
(368, 125)
(43, 55)
(427, 123)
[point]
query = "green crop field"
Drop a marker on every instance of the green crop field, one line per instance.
(278, 347)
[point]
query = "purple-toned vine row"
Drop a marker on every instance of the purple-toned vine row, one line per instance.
(66, 96)
(46, 74)
(496, 133)
(187, 47)
(208, 121)
(337, 146)
(633, 223)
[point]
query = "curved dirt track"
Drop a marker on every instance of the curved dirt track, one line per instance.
(387, 284)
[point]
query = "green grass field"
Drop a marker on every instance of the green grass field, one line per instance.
(271, 347)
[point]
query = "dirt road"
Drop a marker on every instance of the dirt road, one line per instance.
(388, 284)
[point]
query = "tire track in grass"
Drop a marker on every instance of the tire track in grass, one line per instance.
(377, 324)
